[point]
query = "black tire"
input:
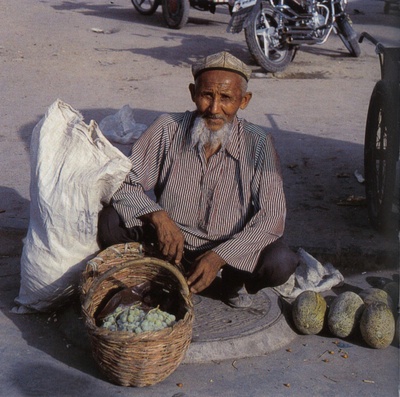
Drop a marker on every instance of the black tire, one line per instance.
(381, 153)
(348, 37)
(146, 7)
(176, 13)
(271, 55)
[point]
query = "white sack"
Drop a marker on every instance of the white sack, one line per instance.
(74, 171)
(310, 275)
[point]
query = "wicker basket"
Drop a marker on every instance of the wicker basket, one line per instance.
(130, 359)
(108, 258)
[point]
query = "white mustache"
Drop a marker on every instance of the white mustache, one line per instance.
(214, 117)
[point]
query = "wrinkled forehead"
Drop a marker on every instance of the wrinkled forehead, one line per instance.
(221, 79)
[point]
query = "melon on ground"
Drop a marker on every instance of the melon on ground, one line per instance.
(345, 313)
(377, 325)
(370, 295)
(308, 312)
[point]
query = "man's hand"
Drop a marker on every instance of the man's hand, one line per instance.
(170, 238)
(206, 268)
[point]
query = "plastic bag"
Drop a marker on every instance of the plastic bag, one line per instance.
(122, 127)
(310, 275)
(74, 171)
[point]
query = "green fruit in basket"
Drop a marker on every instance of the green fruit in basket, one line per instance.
(135, 319)
(170, 319)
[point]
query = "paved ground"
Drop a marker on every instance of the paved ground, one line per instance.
(316, 111)
(42, 356)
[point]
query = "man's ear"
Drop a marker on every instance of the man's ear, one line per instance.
(245, 100)
(192, 89)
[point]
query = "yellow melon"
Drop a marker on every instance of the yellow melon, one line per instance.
(345, 313)
(308, 312)
(370, 295)
(377, 325)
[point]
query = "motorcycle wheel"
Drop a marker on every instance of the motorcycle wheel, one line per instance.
(146, 7)
(381, 153)
(263, 41)
(348, 37)
(176, 13)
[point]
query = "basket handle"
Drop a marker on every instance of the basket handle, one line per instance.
(134, 262)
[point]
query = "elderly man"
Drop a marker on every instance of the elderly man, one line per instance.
(219, 201)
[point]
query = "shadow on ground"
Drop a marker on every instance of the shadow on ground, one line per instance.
(318, 177)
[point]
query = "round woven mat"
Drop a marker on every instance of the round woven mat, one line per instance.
(217, 327)
(214, 320)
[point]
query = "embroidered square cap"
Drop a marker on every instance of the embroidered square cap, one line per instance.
(221, 61)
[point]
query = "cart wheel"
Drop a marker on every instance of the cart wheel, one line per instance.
(176, 13)
(146, 7)
(381, 153)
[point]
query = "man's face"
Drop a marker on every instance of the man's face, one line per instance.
(218, 96)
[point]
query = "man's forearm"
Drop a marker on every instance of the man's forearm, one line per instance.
(155, 218)
(169, 236)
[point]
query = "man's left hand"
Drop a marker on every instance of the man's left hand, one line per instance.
(206, 268)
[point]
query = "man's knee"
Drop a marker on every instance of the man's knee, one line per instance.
(111, 230)
(107, 221)
(282, 267)
(276, 264)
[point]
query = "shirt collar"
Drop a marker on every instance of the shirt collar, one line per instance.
(233, 145)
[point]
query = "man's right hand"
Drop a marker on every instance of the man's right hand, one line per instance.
(170, 238)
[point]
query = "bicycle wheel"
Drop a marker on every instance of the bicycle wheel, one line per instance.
(176, 13)
(381, 153)
(146, 7)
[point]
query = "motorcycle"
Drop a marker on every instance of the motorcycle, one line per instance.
(275, 29)
(176, 12)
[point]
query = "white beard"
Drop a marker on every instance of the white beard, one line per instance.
(203, 136)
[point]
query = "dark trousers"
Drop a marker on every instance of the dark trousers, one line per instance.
(111, 230)
(276, 263)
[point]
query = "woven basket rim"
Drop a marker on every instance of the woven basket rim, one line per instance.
(137, 262)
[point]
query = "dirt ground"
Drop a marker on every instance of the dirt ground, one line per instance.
(100, 55)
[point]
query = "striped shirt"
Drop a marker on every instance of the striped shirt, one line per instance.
(233, 204)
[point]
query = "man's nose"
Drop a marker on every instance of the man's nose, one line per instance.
(215, 106)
